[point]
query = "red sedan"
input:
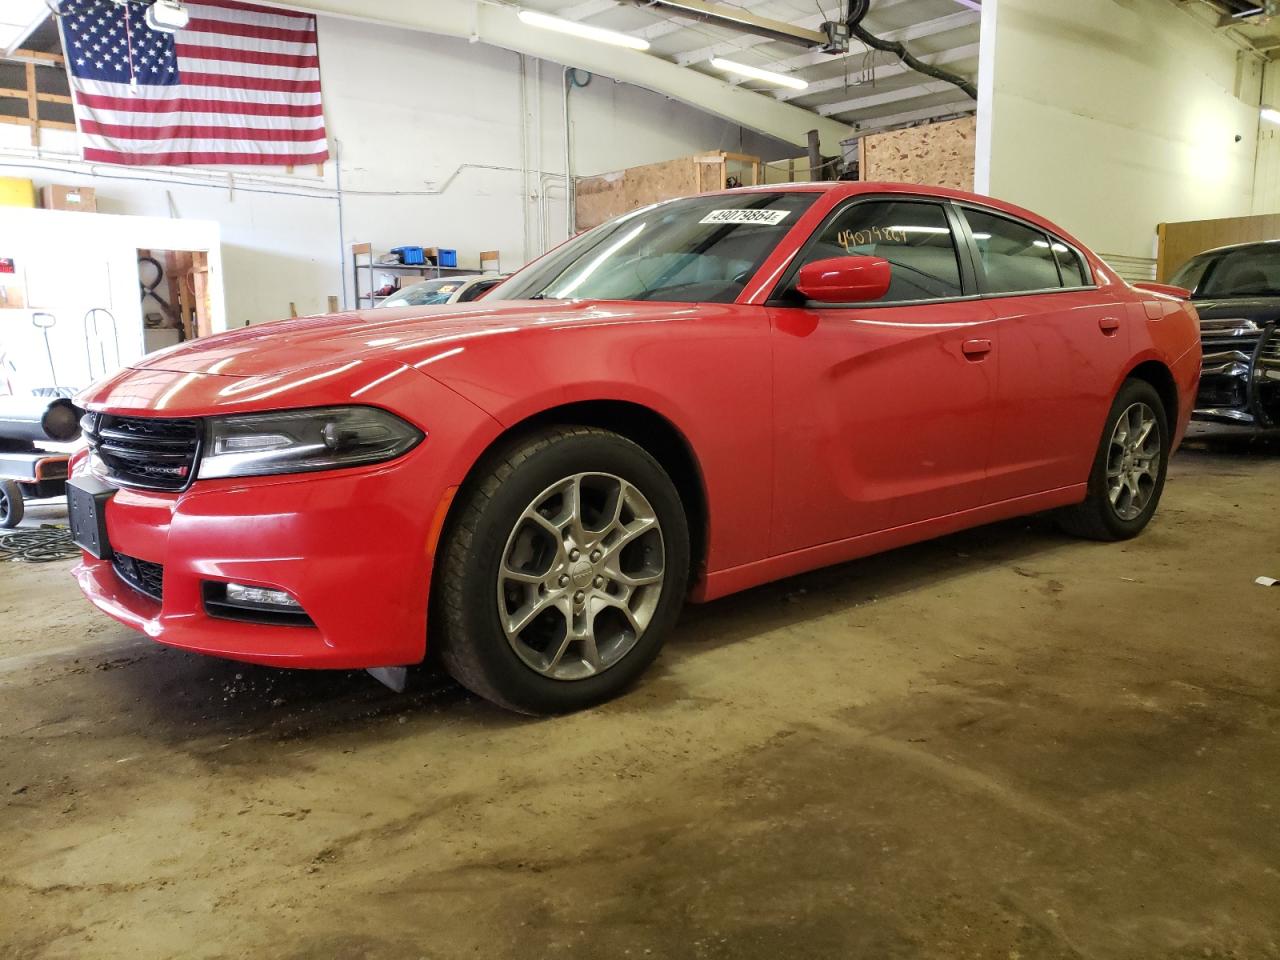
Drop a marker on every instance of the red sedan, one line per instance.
(692, 399)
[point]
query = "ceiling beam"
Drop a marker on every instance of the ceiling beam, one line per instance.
(968, 52)
(916, 31)
(913, 92)
(953, 108)
(670, 24)
(500, 26)
(18, 20)
(590, 8)
(715, 14)
(746, 43)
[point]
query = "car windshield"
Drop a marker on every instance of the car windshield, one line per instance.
(694, 250)
(423, 294)
(1244, 272)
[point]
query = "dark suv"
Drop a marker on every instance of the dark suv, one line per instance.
(1237, 293)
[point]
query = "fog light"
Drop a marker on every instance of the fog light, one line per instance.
(260, 596)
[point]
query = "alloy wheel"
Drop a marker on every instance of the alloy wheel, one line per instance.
(1133, 461)
(580, 576)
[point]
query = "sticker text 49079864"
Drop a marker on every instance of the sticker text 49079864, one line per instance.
(768, 218)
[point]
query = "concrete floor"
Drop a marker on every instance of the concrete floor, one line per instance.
(1004, 744)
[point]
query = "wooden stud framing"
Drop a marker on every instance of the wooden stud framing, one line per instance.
(32, 95)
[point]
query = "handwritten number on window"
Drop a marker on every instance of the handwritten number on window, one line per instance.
(849, 239)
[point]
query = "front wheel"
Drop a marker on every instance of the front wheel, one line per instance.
(562, 572)
(1129, 470)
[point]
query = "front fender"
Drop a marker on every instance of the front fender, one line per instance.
(711, 379)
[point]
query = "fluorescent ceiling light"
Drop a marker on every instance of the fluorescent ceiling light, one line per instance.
(755, 73)
(1271, 115)
(535, 19)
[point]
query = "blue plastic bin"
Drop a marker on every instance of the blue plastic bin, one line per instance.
(410, 255)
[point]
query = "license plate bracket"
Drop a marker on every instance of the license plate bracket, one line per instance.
(87, 515)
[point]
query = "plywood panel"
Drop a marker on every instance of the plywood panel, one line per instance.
(1179, 242)
(935, 154)
(660, 181)
(596, 199)
(608, 195)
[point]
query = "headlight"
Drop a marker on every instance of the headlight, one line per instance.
(297, 441)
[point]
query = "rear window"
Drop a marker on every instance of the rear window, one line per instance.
(1244, 272)
(1014, 257)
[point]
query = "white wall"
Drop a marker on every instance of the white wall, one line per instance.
(408, 110)
(1111, 116)
(1266, 179)
(71, 263)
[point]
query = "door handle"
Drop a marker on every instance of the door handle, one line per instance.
(1109, 325)
(976, 349)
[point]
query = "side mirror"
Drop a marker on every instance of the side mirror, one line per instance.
(845, 279)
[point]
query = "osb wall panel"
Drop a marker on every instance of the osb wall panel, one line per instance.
(935, 154)
(1179, 242)
(660, 181)
(605, 196)
(597, 199)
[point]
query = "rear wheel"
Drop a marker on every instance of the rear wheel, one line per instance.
(11, 504)
(562, 573)
(1129, 470)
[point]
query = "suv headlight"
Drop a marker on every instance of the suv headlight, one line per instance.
(298, 441)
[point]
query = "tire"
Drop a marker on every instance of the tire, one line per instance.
(1104, 515)
(517, 574)
(12, 506)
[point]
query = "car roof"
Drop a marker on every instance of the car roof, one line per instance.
(1227, 248)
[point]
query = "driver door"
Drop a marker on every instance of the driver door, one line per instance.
(883, 411)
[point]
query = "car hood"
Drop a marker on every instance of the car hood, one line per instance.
(408, 335)
(1260, 309)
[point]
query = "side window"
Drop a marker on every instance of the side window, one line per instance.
(478, 290)
(913, 236)
(1073, 269)
(1013, 257)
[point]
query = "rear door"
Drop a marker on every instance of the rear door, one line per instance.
(1063, 343)
(883, 411)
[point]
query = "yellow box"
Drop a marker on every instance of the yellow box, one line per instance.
(17, 192)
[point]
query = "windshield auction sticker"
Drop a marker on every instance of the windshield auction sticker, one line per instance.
(767, 217)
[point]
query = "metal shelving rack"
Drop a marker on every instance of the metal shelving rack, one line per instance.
(427, 271)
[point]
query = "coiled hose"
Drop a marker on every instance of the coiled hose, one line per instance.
(41, 545)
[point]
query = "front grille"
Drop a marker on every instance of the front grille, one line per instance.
(143, 575)
(1271, 350)
(150, 452)
(1239, 336)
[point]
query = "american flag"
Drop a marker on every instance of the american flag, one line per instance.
(240, 84)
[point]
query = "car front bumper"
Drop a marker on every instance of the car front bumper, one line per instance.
(1242, 386)
(351, 547)
(354, 547)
